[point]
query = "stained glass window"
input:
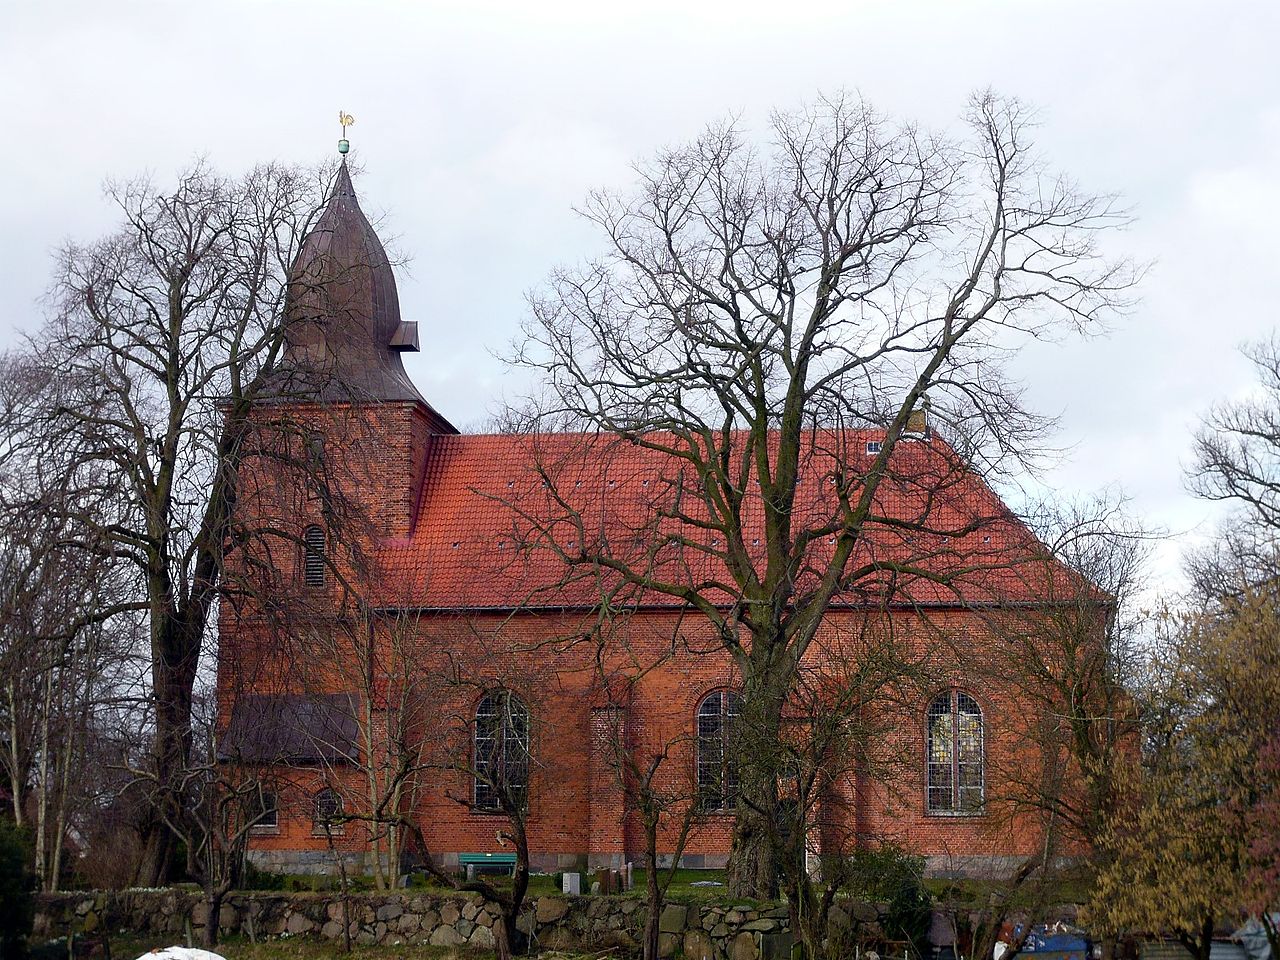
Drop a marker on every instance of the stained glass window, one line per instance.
(955, 765)
(501, 752)
(718, 715)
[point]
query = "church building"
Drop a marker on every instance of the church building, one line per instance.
(408, 647)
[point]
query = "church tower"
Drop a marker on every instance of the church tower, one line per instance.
(343, 370)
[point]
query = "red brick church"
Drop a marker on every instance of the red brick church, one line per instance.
(408, 640)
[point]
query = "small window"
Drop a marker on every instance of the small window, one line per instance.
(873, 447)
(955, 760)
(313, 563)
(718, 716)
(326, 812)
(501, 752)
(264, 810)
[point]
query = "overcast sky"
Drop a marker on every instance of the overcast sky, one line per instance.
(480, 125)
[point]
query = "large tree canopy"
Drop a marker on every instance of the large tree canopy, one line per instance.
(756, 301)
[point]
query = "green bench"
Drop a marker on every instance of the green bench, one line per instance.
(474, 863)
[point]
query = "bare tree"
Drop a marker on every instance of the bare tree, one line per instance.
(1237, 462)
(1074, 663)
(219, 804)
(860, 687)
(655, 769)
(755, 310)
(63, 670)
(161, 337)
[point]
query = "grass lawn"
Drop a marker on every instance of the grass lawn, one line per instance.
(682, 885)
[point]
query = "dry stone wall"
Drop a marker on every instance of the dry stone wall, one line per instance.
(696, 931)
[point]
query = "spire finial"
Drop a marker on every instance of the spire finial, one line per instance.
(346, 120)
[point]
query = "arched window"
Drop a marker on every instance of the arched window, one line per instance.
(955, 754)
(501, 752)
(313, 556)
(718, 715)
(326, 809)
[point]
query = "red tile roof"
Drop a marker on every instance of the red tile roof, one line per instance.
(493, 533)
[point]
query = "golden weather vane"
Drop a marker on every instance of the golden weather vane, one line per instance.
(346, 120)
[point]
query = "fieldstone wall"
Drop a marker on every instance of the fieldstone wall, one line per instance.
(697, 931)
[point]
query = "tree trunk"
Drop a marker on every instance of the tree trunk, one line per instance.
(213, 904)
(654, 919)
(1205, 946)
(176, 654)
(505, 934)
(157, 852)
(752, 869)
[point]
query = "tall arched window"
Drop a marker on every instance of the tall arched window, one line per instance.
(501, 752)
(955, 754)
(718, 715)
(313, 556)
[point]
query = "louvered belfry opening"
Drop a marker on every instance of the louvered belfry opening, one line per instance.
(313, 565)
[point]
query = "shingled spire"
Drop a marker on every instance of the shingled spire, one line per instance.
(345, 330)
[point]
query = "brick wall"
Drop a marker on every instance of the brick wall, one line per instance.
(378, 455)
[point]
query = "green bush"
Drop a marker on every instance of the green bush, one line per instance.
(888, 875)
(17, 886)
(256, 879)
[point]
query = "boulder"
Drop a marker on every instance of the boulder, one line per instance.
(450, 914)
(481, 937)
(673, 918)
(864, 912)
(464, 928)
(389, 911)
(743, 947)
(446, 936)
(551, 909)
(762, 924)
(667, 944)
(698, 946)
(408, 923)
(228, 917)
(298, 923)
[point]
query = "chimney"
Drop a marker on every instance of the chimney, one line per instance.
(918, 420)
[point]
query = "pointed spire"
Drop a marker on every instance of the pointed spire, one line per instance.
(344, 310)
(342, 186)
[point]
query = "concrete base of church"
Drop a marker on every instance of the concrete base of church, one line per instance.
(308, 862)
(323, 863)
(975, 867)
(690, 861)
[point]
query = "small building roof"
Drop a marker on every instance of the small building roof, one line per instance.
(291, 729)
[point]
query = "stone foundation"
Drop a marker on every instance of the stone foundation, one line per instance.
(321, 862)
(700, 931)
